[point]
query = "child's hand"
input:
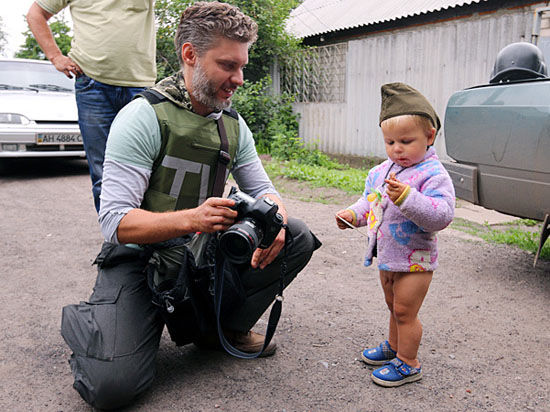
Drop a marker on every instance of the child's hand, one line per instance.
(347, 216)
(395, 188)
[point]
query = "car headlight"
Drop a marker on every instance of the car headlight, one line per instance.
(14, 118)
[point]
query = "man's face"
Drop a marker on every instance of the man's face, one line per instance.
(217, 74)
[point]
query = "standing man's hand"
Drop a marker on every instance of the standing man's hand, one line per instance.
(66, 65)
(37, 18)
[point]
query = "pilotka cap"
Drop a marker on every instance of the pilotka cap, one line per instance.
(399, 99)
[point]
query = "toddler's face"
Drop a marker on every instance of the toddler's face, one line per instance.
(406, 141)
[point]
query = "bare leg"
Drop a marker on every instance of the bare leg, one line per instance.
(386, 280)
(409, 291)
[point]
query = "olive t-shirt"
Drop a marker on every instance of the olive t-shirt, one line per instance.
(113, 40)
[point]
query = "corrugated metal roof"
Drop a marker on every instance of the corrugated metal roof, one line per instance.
(314, 17)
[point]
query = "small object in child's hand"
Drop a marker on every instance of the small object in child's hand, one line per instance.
(345, 221)
(351, 226)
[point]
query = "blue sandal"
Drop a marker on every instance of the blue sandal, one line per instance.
(396, 373)
(378, 355)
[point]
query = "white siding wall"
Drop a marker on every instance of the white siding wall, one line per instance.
(437, 59)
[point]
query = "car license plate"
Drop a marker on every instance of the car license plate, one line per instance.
(58, 138)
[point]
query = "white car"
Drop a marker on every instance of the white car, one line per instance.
(38, 114)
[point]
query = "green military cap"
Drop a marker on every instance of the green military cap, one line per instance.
(399, 99)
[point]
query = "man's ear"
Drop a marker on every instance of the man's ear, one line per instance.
(188, 54)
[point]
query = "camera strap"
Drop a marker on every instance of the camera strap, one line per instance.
(223, 160)
(276, 308)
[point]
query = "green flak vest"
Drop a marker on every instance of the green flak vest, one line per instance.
(183, 174)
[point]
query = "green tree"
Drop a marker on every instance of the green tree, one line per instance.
(60, 30)
(273, 41)
(167, 14)
(269, 117)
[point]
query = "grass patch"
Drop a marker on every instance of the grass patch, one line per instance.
(524, 222)
(349, 179)
(514, 233)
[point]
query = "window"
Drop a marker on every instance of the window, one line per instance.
(317, 74)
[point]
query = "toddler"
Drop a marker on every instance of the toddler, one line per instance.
(407, 199)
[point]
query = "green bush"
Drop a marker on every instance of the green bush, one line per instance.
(266, 115)
(291, 147)
(274, 42)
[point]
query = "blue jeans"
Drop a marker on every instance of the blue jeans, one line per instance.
(98, 104)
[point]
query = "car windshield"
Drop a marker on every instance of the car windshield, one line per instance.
(33, 76)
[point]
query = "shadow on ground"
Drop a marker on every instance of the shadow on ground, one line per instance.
(41, 167)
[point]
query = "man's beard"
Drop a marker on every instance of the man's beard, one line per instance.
(204, 91)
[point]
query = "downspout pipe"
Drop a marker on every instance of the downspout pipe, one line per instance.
(537, 23)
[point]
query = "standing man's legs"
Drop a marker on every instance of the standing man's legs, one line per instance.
(98, 104)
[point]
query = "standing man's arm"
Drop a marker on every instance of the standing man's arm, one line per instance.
(37, 18)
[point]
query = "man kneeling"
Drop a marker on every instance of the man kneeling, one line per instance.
(159, 183)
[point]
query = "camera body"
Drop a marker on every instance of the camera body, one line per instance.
(257, 225)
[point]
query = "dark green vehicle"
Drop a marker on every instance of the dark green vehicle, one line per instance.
(499, 136)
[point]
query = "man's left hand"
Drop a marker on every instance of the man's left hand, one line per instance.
(263, 257)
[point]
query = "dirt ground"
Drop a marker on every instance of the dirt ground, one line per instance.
(486, 317)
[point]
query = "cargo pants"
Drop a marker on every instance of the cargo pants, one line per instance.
(115, 336)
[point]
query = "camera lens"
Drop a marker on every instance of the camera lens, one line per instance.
(238, 245)
(240, 241)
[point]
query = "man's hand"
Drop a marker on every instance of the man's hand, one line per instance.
(395, 188)
(213, 215)
(66, 65)
(347, 216)
(37, 17)
(143, 226)
(263, 257)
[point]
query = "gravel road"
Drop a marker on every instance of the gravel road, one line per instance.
(486, 317)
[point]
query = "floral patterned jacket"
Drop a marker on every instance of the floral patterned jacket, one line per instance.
(403, 235)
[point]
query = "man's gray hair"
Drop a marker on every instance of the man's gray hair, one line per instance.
(202, 22)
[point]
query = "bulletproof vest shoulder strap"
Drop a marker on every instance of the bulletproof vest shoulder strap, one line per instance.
(223, 159)
(152, 96)
(231, 112)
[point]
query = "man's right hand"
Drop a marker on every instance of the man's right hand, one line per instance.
(143, 227)
(214, 215)
(66, 65)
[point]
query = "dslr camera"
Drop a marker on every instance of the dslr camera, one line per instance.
(257, 226)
